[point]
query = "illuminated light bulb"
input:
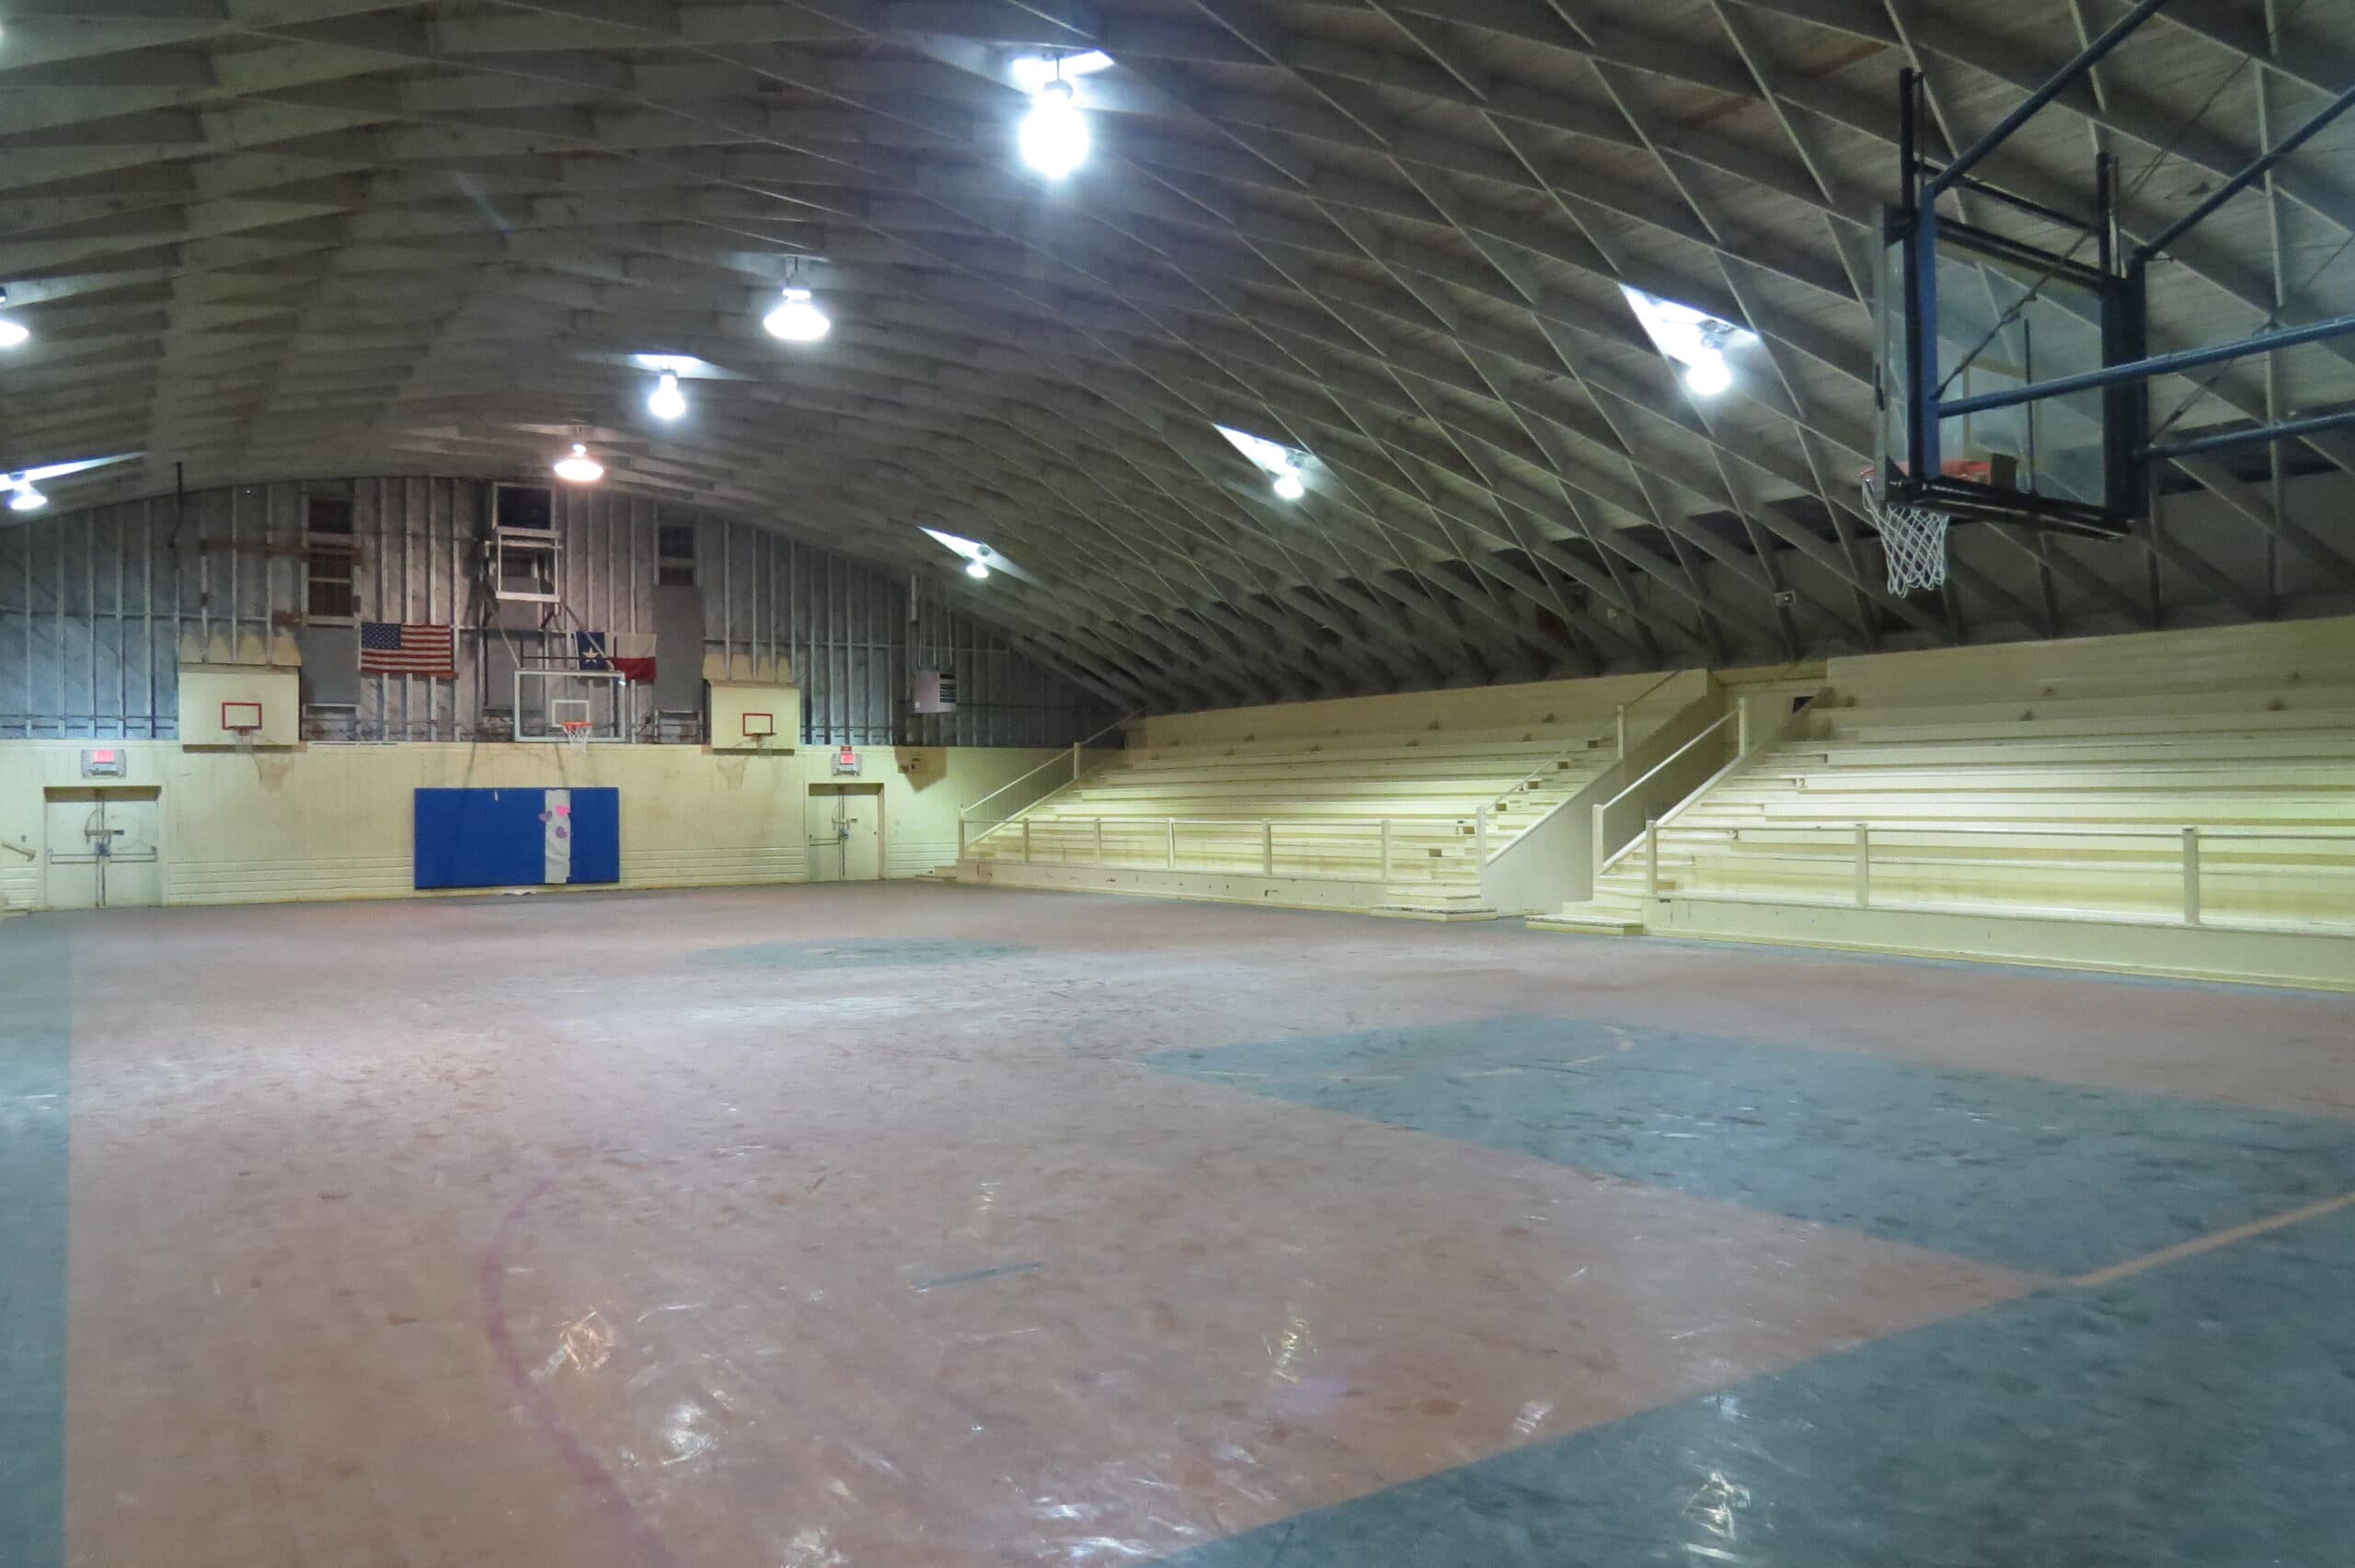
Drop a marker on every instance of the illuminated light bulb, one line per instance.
(26, 498)
(977, 568)
(1708, 375)
(14, 334)
(797, 320)
(578, 467)
(1289, 486)
(666, 401)
(1054, 133)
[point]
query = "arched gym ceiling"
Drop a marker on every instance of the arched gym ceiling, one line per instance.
(279, 237)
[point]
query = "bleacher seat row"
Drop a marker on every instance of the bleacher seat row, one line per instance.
(1314, 808)
(2068, 801)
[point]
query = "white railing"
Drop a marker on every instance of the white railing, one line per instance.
(1068, 840)
(1749, 741)
(965, 824)
(2186, 849)
(1493, 807)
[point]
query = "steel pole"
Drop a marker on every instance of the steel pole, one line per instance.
(2057, 84)
(2143, 370)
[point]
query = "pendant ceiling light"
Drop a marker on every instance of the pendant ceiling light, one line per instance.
(13, 334)
(666, 401)
(1054, 133)
(977, 568)
(576, 467)
(797, 320)
(1289, 485)
(22, 496)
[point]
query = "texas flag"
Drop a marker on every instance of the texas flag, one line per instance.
(629, 654)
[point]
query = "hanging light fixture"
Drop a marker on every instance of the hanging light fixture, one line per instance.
(1054, 137)
(13, 334)
(797, 320)
(666, 401)
(977, 568)
(576, 467)
(1289, 485)
(23, 497)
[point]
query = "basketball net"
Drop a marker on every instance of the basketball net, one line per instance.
(246, 741)
(576, 733)
(1913, 538)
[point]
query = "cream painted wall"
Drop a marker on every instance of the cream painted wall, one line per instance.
(334, 821)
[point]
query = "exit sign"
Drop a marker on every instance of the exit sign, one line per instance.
(846, 761)
(102, 762)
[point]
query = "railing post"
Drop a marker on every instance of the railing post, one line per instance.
(1620, 726)
(960, 838)
(1025, 841)
(1267, 847)
(1863, 866)
(1480, 836)
(1385, 849)
(1075, 761)
(1742, 722)
(1099, 841)
(1652, 857)
(1170, 860)
(2192, 877)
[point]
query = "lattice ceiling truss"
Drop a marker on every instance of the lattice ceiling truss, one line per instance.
(269, 238)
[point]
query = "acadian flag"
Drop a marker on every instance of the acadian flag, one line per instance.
(629, 654)
(389, 648)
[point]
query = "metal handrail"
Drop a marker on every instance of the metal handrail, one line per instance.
(1715, 725)
(2086, 832)
(1266, 826)
(28, 854)
(2193, 841)
(1619, 729)
(1077, 745)
(1758, 745)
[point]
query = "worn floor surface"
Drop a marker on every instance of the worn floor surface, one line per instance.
(900, 1226)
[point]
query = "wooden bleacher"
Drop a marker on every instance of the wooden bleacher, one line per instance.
(2050, 781)
(1398, 799)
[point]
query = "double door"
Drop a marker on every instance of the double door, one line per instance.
(846, 832)
(102, 847)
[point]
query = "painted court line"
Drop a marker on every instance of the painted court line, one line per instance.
(974, 1275)
(2199, 1245)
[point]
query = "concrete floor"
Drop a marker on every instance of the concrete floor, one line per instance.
(895, 1226)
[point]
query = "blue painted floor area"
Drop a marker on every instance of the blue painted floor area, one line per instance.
(2200, 1414)
(35, 1058)
(2029, 1174)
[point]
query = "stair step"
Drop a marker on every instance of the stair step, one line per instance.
(1577, 917)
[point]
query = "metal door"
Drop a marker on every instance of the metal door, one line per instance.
(845, 835)
(102, 849)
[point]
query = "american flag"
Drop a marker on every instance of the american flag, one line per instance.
(389, 648)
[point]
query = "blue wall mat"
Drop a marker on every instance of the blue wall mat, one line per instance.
(494, 838)
(596, 835)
